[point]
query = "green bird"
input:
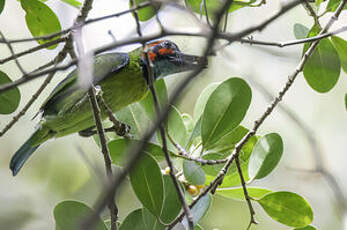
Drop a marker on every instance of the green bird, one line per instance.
(123, 80)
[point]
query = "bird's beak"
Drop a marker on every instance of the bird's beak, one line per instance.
(190, 62)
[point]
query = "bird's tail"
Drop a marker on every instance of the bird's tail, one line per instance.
(25, 151)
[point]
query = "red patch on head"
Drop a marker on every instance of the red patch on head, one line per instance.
(151, 55)
(164, 51)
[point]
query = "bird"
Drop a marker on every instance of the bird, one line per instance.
(122, 78)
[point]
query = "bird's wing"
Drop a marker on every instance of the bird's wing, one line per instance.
(68, 92)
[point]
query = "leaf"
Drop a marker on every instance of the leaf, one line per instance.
(225, 109)
(176, 129)
(198, 227)
(172, 205)
(134, 221)
(341, 48)
(300, 31)
(150, 221)
(265, 156)
(202, 100)
(73, 3)
(145, 13)
(2, 5)
(69, 214)
(199, 210)
(147, 182)
(346, 101)
(333, 4)
(9, 100)
(287, 208)
(133, 115)
(41, 20)
(196, 133)
(322, 69)
(148, 104)
(193, 173)
(188, 122)
(309, 227)
(237, 193)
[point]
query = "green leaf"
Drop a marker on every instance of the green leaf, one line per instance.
(120, 147)
(196, 133)
(69, 214)
(133, 115)
(198, 227)
(309, 227)
(148, 104)
(346, 101)
(341, 48)
(237, 193)
(9, 100)
(176, 129)
(300, 31)
(225, 109)
(188, 122)
(172, 205)
(199, 210)
(333, 4)
(287, 208)
(322, 69)
(193, 173)
(2, 5)
(266, 155)
(41, 20)
(147, 182)
(134, 221)
(202, 100)
(73, 3)
(145, 13)
(150, 221)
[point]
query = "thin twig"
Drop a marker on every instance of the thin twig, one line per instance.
(311, 11)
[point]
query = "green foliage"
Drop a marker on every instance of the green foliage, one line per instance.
(150, 221)
(333, 4)
(202, 100)
(73, 3)
(2, 5)
(134, 221)
(145, 13)
(9, 100)
(225, 109)
(300, 31)
(287, 208)
(193, 173)
(69, 214)
(200, 209)
(40, 19)
(346, 101)
(237, 193)
(341, 48)
(266, 155)
(147, 182)
(309, 227)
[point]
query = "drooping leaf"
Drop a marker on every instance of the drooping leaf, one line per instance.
(9, 100)
(202, 100)
(309, 227)
(145, 13)
(287, 208)
(341, 48)
(199, 210)
(300, 31)
(193, 173)
(150, 221)
(172, 204)
(134, 221)
(147, 182)
(225, 109)
(69, 214)
(265, 156)
(237, 193)
(41, 20)
(2, 5)
(73, 3)
(322, 69)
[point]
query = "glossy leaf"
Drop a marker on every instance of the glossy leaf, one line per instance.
(199, 210)
(41, 20)
(237, 193)
(188, 122)
(147, 182)
(172, 205)
(73, 3)
(322, 69)
(265, 156)
(9, 100)
(300, 31)
(202, 100)
(176, 129)
(341, 48)
(145, 13)
(134, 221)
(225, 109)
(148, 104)
(2, 5)
(193, 173)
(287, 208)
(309, 227)
(69, 214)
(150, 221)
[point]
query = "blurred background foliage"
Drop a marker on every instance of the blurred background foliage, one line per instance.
(58, 171)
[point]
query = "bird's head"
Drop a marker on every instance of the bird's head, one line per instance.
(168, 59)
